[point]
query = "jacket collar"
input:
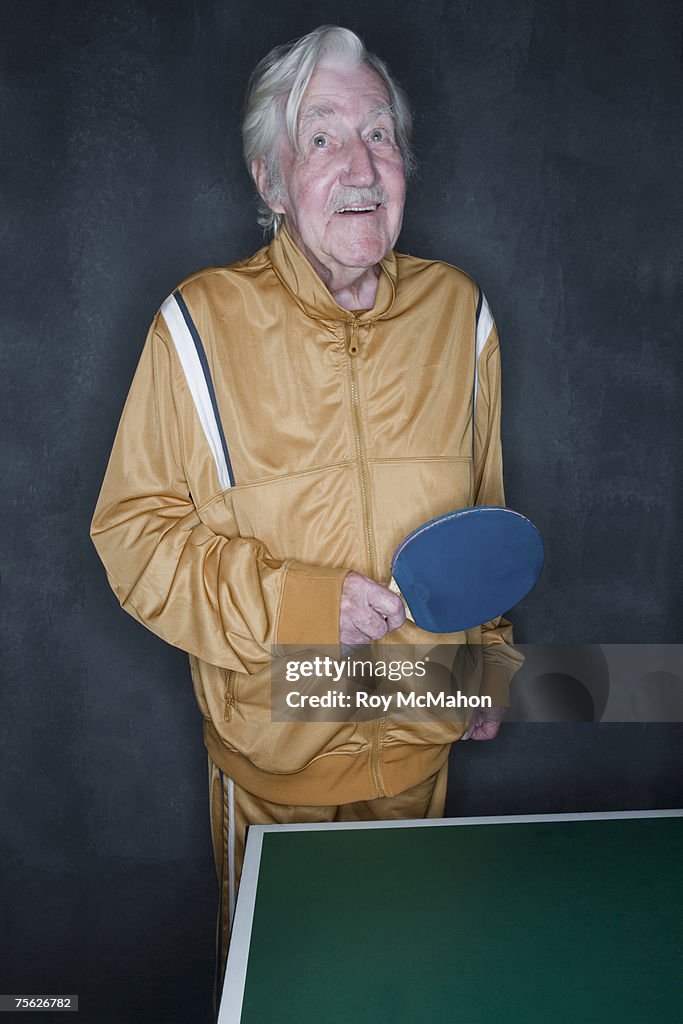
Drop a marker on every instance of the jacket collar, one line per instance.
(310, 294)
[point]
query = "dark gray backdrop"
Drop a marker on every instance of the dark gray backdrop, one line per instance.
(551, 168)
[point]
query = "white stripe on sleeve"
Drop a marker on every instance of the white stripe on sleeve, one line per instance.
(196, 381)
(484, 325)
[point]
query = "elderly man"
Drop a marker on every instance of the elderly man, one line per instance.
(293, 416)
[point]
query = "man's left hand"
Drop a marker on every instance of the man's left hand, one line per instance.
(484, 725)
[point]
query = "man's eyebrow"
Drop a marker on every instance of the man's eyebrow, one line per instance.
(383, 110)
(314, 114)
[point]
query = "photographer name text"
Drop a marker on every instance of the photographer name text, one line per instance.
(385, 701)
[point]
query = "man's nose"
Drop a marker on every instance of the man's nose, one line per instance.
(359, 169)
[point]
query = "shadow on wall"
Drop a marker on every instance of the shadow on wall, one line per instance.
(599, 683)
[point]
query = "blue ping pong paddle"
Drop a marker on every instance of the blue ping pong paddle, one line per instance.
(466, 567)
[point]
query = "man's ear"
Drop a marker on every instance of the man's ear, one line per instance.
(259, 173)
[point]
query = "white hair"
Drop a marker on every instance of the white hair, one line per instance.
(274, 96)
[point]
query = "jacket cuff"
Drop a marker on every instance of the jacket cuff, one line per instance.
(501, 662)
(310, 605)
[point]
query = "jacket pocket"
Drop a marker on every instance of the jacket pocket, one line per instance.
(408, 492)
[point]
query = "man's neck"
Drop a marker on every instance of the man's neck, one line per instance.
(360, 294)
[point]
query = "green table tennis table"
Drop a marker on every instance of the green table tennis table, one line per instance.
(514, 920)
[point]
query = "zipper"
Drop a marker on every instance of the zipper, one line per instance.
(374, 755)
(351, 335)
(229, 699)
(352, 348)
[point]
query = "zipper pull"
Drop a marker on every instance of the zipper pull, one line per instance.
(351, 331)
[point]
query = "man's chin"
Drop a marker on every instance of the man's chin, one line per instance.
(361, 250)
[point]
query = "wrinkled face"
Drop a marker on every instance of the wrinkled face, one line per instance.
(344, 189)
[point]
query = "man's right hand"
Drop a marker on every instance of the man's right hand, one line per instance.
(368, 610)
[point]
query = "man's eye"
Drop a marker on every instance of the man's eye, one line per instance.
(320, 140)
(378, 135)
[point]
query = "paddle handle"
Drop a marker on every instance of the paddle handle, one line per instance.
(393, 585)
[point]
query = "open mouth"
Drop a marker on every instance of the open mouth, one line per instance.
(359, 209)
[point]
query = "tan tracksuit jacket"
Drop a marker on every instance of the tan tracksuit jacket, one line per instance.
(272, 441)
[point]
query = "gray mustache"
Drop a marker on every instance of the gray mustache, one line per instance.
(359, 197)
